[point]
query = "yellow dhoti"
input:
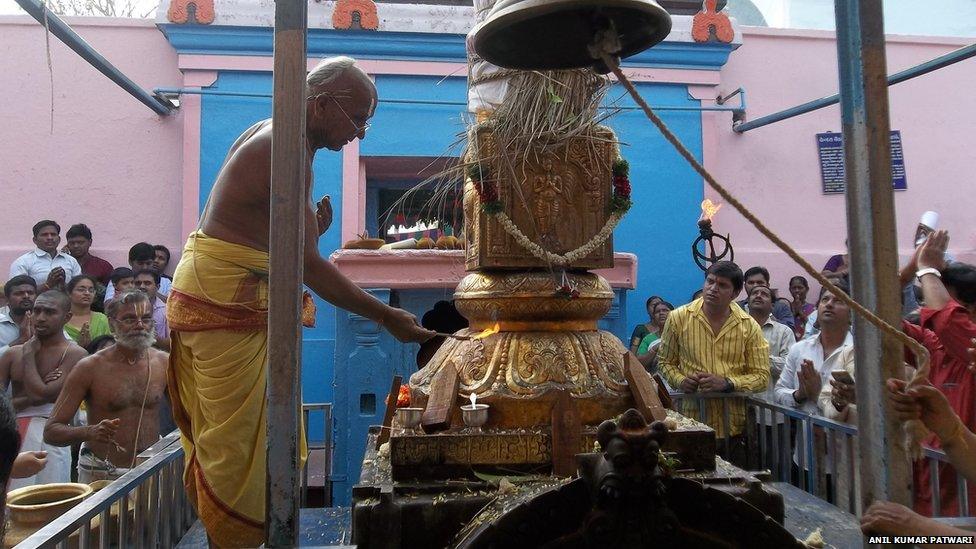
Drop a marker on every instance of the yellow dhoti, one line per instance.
(217, 313)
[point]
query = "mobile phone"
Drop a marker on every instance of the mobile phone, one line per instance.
(842, 376)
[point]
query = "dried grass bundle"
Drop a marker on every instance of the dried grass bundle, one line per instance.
(544, 109)
(541, 112)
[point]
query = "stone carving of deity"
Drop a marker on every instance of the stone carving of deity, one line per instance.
(548, 189)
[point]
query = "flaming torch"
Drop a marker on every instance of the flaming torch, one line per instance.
(703, 250)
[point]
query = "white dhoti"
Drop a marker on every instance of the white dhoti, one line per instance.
(58, 468)
(92, 467)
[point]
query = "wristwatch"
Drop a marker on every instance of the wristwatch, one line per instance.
(928, 270)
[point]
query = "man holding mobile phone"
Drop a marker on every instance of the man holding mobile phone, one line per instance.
(811, 360)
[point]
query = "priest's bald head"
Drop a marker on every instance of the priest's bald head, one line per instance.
(341, 100)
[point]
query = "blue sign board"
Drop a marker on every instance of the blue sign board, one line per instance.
(830, 147)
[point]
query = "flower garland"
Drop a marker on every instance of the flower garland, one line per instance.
(491, 204)
(620, 202)
(487, 189)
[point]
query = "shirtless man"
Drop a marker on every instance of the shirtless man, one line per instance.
(37, 370)
(238, 209)
(217, 309)
(122, 386)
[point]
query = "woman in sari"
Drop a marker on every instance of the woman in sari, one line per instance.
(799, 287)
(647, 351)
(650, 327)
(85, 324)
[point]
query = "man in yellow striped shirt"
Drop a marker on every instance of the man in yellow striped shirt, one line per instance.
(711, 345)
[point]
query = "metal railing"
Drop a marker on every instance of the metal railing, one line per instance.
(934, 459)
(811, 452)
(682, 401)
(146, 507)
(325, 447)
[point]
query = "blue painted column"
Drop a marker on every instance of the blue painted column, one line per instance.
(365, 361)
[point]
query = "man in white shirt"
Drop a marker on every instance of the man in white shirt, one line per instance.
(46, 264)
(15, 321)
(810, 361)
(780, 339)
(778, 335)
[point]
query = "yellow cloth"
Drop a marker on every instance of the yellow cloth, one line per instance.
(739, 352)
(217, 313)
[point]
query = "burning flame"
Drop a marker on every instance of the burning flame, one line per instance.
(490, 331)
(474, 399)
(709, 209)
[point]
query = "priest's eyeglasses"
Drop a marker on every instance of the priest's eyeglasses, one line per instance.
(359, 128)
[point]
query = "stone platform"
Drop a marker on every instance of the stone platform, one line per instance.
(419, 514)
(454, 455)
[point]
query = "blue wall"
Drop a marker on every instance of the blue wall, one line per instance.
(659, 229)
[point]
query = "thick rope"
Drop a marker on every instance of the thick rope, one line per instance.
(914, 434)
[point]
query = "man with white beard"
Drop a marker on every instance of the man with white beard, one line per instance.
(122, 386)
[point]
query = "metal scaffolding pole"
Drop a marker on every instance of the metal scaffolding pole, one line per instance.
(66, 34)
(884, 465)
(918, 70)
(288, 173)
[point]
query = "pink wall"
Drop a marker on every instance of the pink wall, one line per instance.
(110, 162)
(775, 169)
(108, 149)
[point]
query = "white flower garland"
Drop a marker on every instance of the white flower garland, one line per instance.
(557, 259)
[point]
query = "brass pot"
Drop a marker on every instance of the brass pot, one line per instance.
(33, 507)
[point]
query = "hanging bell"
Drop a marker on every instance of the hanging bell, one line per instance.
(568, 34)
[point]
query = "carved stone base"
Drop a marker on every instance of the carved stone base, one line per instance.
(518, 374)
(455, 455)
(547, 344)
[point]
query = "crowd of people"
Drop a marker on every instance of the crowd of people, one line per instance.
(68, 318)
(801, 356)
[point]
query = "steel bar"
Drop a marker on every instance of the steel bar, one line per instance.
(963, 496)
(850, 451)
(70, 38)
(163, 505)
(832, 457)
(884, 464)
(288, 182)
(231, 93)
(85, 535)
(139, 520)
(304, 492)
(327, 466)
(775, 443)
(918, 70)
(105, 528)
(124, 521)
